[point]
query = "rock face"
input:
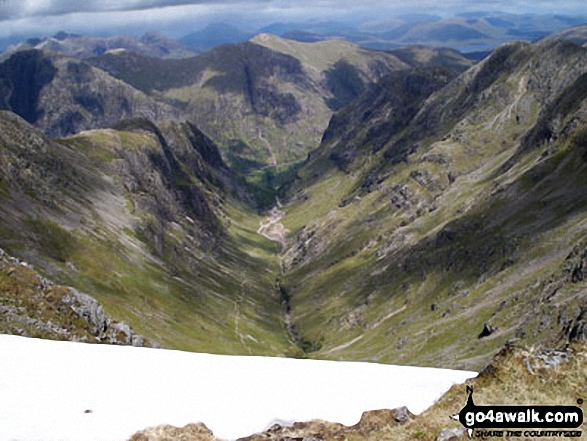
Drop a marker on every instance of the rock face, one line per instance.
(577, 331)
(63, 96)
(487, 331)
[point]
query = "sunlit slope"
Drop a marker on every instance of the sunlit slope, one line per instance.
(469, 211)
(139, 218)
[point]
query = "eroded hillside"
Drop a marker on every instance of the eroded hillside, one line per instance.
(148, 220)
(431, 236)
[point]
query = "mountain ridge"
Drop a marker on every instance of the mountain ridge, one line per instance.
(456, 204)
(339, 211)
(78, 46)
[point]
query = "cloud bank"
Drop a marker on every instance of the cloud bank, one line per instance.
(45, 16)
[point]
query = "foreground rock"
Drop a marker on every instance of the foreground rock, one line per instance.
(191, 432)
(32, 306)
(371, 423)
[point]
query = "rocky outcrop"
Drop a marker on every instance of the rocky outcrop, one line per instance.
(191, 432)
(32, 306)
(576, 330)
(372, 424)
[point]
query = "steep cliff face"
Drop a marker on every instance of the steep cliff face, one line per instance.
(449, 222)
(63, 96)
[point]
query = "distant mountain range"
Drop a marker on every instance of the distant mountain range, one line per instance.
(465, 32)
(151, 44)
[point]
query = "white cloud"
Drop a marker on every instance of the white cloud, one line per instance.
(43, 17)
(11, 9)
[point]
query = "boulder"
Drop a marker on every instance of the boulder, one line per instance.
(452, 434)
(487, 330)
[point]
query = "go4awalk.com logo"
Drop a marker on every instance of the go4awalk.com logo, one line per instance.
(520, 421)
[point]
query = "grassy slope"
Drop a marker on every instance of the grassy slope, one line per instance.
(179, 288)
(413, 267)
(260, 103)
(322, 55)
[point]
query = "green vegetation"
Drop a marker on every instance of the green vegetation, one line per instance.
(52, 240)
(432, 208)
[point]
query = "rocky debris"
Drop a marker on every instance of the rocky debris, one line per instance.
(88, 308)
(32, 306)
(457, 434)
(372, 422)
(546, 359)
(191, 432)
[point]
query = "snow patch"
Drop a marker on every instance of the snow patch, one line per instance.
(73, 391)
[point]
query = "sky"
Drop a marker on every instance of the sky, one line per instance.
(179, 17)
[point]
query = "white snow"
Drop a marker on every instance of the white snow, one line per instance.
(46, 387)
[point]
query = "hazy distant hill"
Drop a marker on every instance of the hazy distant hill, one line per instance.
(468, 32)
(151, 44)
(214, 34)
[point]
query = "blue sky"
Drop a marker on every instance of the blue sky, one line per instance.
(178, 17)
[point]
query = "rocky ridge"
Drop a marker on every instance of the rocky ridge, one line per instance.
(151, 44)
(63, 96)
(439, 216)
(32, 306)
